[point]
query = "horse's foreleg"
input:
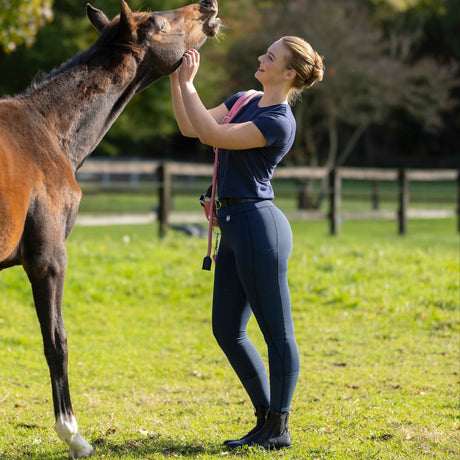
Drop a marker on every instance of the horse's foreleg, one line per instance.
(47, 281)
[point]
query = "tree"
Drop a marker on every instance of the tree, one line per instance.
(428, 30)
(20, 21)
(365, 84)
(389, 72)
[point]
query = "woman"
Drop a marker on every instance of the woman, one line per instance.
(251, 264)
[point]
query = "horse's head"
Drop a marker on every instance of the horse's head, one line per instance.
(159, 39)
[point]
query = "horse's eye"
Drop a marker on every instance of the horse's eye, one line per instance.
(159, 22)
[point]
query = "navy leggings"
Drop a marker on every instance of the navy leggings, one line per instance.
(251, 277)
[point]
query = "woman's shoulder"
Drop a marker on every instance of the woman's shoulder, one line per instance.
(232, 99)
(280, 112)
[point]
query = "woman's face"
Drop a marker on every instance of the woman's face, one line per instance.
(272, 67)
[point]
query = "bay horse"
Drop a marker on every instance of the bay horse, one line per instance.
(47, 132)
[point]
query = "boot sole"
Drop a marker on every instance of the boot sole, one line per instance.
(278, 447)
(269, 447)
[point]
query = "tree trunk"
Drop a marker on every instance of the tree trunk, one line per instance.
(305, 194)
(333, 150)
(334, 160)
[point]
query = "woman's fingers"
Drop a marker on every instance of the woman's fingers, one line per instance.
(191, 58)
(190, 65)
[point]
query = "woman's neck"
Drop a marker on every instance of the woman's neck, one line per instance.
(274, 96)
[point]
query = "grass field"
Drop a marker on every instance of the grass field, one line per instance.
(377, 323)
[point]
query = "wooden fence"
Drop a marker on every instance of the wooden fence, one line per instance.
(165, 172)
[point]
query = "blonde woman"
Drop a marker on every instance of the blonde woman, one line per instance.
(251, 264)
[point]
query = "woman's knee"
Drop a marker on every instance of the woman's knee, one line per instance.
(220, 333)
(226, 336)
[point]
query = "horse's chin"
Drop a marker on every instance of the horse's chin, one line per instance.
(213, 33)
(213, 26)
(196, 44)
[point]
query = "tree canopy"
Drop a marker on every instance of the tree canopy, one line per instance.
(390, 90)
(20, 21)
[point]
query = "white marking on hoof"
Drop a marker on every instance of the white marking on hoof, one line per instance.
(67, 430)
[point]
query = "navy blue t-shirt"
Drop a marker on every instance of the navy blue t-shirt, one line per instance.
(247, 173)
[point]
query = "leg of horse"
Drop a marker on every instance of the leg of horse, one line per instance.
(47, 277)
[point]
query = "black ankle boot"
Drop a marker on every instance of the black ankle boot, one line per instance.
(261, 415)
(273, 435)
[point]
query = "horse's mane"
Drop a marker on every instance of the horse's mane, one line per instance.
(41, 78)
(109, 36)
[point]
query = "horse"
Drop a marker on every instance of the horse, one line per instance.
(48, 131)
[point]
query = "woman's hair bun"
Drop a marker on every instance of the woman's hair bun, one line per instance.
(305, 61)
(316, 71)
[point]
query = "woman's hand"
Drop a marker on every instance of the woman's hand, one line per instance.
(189, 67)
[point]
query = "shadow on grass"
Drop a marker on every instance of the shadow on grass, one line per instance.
(155, 444)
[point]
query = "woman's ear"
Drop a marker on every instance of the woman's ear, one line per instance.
(290, 75)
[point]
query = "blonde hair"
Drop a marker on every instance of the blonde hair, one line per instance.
(305, 61)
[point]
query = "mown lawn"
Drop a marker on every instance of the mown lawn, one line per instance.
(377, 322)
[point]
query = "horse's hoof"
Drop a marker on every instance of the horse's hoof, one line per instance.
(87, 452)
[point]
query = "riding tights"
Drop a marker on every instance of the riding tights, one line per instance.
(251, 277)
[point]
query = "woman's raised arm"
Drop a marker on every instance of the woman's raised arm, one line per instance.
(207, 125)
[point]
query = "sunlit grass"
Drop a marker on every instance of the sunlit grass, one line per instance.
(376, 319)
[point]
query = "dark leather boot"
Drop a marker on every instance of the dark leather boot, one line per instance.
(261, 415)
(273, 435)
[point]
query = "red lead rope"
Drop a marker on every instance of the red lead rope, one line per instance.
(244, 99)
(207, 261)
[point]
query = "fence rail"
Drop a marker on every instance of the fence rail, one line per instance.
(165, 172)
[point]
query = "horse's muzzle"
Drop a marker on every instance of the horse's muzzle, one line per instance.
(213, 23)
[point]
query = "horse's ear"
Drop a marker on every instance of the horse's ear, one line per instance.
(98, 19)
(127, 27)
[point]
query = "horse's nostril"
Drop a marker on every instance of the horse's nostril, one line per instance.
(214, 23)
(208, 3)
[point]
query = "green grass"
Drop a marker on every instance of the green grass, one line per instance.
(377, 323)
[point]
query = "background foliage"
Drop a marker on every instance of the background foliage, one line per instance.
(390, 94)
(20, 21)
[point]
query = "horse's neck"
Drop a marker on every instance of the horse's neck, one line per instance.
(81, 104)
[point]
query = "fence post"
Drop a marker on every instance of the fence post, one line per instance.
(164, 195)
(375, 195)
(335, 195)
(106, 179)
(403, 201)
(134, 177)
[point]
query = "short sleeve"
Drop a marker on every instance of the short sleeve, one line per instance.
(276, 129)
